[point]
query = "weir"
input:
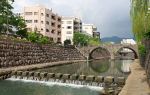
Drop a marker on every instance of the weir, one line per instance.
(90, 80)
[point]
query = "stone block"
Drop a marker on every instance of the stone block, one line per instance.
(82, 77)
(109, 79)
(121, 80)
(58, 75)
(19, 73)
(26, 73)
(31, 74)
(99, 79)
(74, 77)
(43, 75)
(66, 76)
(50, 75)
(90, 78)
(36, 74)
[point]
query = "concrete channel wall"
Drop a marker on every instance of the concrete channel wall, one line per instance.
(65, 78)
(25, 53)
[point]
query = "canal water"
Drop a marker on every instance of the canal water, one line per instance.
(99, 67)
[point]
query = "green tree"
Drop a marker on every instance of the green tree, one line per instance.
(67, 42)
(9, 20)
(38, 38)
(80, 39)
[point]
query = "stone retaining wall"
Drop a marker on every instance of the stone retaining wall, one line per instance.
(26, 53)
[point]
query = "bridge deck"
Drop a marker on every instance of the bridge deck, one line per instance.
(136, 83)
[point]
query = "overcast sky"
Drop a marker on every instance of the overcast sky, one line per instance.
(112, 17)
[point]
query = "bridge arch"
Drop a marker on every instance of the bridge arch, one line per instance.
(126, 49)
(99, 53)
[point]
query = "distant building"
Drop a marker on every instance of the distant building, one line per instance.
(69, 26)
(89, 29)
(44, 21)
(128, 41)
(96, 35)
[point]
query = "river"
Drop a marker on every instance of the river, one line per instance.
(98, 67)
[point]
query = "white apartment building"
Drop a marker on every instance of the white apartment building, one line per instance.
(44, 21)
(128, 41)
(89, 29)
(69, 26)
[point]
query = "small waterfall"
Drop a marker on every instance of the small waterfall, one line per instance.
(60, 82)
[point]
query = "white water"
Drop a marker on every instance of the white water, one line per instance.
(59, 84)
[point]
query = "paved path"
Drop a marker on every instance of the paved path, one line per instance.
(136, 83)
(38, 66)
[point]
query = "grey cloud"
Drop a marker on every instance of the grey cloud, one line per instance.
(112, 17)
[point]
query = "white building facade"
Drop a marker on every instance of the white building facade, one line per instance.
(42, 20)
(89, 29)
(69, 26)
(128, 41)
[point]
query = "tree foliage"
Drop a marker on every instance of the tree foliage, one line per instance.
(9, 20)
(38, 38)
(140, 18)
(84, 40)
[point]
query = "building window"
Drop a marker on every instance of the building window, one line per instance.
(47, 22)
(42, 14)
(47, 30)
(53, 24)
(69, 32)
(52, 31)
(29, 21)
(69, 27)
(35, 13)
(41, 29)
(59, 32)
(69, 22)
(42, 22)
(53, 17)
(58, 39)
(35, 21)
(59, 19)
(28, 13)
(59, 26)
(47, 15)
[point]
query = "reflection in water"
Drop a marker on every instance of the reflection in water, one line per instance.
(96, 67)
(126, 66)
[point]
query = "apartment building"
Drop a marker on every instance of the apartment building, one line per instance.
(44, 21)
(69, 26)
(89, 29)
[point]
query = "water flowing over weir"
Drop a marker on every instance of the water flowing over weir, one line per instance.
(95, 76)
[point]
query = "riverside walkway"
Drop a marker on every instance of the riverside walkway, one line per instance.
(136, 83)
(39, 66)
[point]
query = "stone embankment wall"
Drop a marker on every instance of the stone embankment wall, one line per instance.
(26, 53)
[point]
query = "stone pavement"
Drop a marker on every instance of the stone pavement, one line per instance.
(39, 66)
(136, 83)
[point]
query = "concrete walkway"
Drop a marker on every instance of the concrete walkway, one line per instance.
(39, 66)
(136, 83)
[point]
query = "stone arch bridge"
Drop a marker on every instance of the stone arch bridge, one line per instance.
(107, 50)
